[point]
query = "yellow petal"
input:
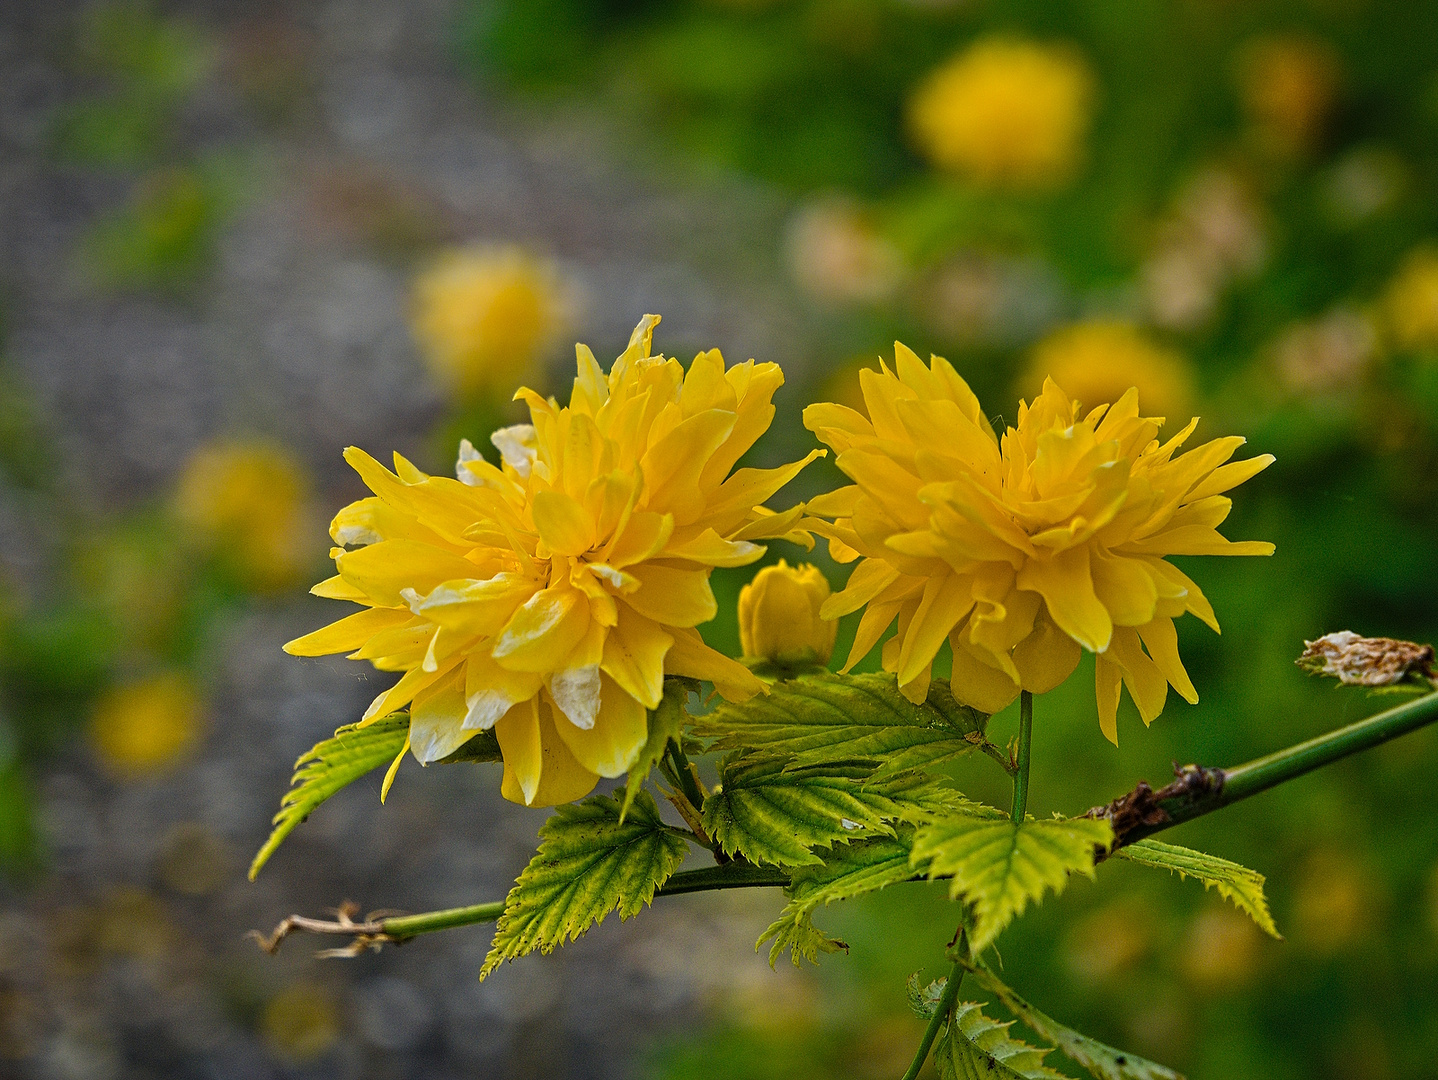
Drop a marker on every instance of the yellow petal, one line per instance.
(474, 606)
(1140, 674)
(709, 549)
(690, 657)
(672, 597)
(348, 633)
(490, 691)
(337, 588)
(976, 683)
(1046, 657)
(382, 571)
(877, 619)
(519, 742)
(392, 771)
(1108, 681)
(543, 631)
(946, 600)
(1125, 587)
(671, 466)
(436, 720)
(1161, 640)
(1226, 477)
(1195, 540)
(562, 778)
(563, 524)
(1064, 582)
(402, 693)
(634, 655)
(641, 537)
(611, 746)
(870, 577)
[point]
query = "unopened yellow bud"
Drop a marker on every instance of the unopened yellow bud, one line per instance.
(779, 615)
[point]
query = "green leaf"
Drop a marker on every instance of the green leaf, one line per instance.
(924, 1000)
(1103, 1061)
(665, 723)
(329, 766)
(848, 870)
(801, 937)
(770, 815)
(588, 864)
(998, 867)
(482, 746)
(974, 1047)
(820, 719)
(1235, 883)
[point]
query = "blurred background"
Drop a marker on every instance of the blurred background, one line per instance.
(235, 238)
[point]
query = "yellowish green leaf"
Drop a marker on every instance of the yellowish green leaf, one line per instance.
(821, 719)
(998, 867)
(328, 767)
(589, 863)
(1238, 884)
(974, 1047)
(1103, 1061)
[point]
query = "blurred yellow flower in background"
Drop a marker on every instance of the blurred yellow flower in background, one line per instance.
(1019, 551)
(548, 598)
(1287, 86)
(148, 726)
(1099, 360)
(250, 503)
(485, 316)
(1411, 304)
(779, 615)
(1006, 113)
(1336, 903)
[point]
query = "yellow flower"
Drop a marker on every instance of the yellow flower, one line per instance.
(548, 598)
(250, 502)
(1099, 360)
(1412, 301)
(484, 317)
(147, 726)
(1019, 551)
(1006, 113)
(779, 615)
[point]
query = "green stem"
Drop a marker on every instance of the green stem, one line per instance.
(734, 875)
(1221, 787)
(687, 783)
(404, 926)
(1026, 738)
(946, 1006)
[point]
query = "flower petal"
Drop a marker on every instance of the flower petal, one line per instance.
(611, 745)
(1067, 588)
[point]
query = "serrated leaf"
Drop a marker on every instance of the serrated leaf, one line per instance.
(820, 719)
(328, 767)
(1103, 1061)
(770, 814)
(801, 937)
(997, 866)
(1238, 884)
(848, 870)
(974, 1047)
(665, 722)
(588, 864)
(924, 1000)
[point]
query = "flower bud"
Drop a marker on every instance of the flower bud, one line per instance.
(779, 615)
